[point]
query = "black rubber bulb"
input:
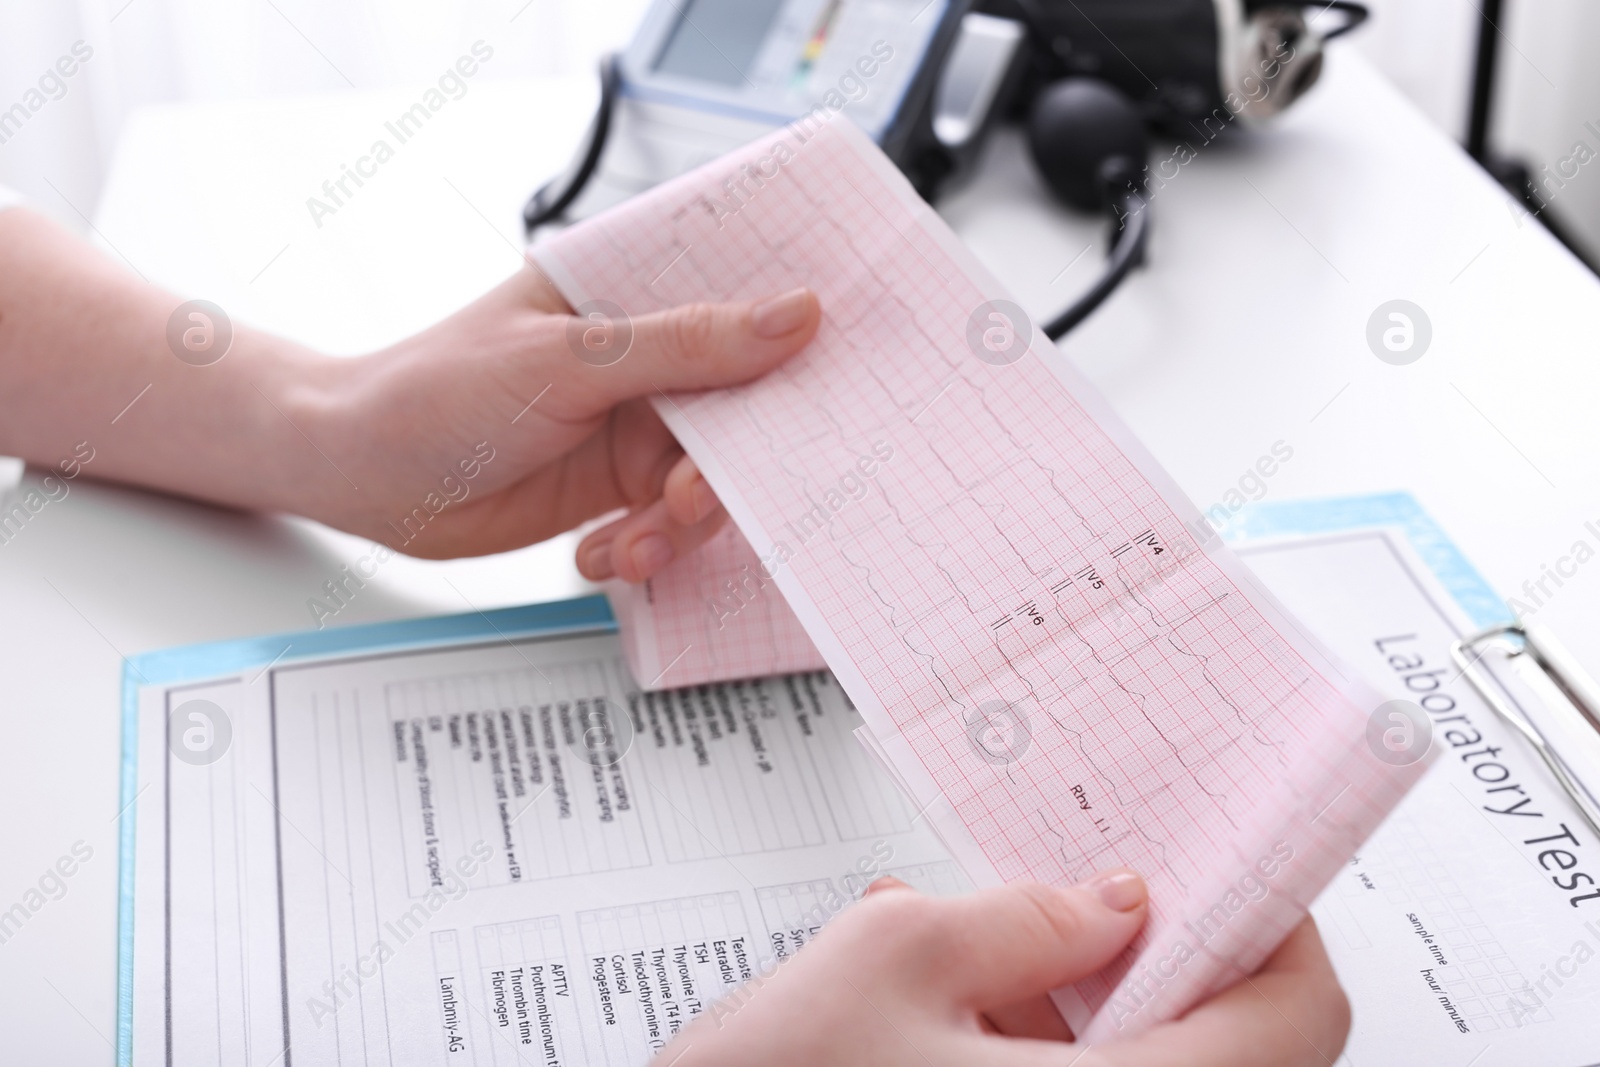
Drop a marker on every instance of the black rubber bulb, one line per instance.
(1088, 141)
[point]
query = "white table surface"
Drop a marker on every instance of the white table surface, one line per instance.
(1248, 327)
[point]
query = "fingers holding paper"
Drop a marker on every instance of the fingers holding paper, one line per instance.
(638, 545)
(1290, 1013)
(692, 346)
(560, 403)
(689, 347)
(905, 979)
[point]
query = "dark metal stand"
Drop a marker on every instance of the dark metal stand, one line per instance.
(1510, 172)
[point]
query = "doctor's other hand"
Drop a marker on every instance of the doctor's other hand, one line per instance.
(561, 405)
(905, 980)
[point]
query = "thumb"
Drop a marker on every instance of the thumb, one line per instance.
(1024, 939)
(694, 346)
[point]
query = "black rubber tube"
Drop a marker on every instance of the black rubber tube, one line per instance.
(1126, 253)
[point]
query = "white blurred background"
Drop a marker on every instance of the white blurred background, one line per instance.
(155, 51)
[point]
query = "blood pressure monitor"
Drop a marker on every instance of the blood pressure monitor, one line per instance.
(703, 77)
(770, 61)
(925, 79)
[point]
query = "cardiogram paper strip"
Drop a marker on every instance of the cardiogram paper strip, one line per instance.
(1063, 666)
(711, 616)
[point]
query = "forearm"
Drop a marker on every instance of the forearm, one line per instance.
(86, 364)
(481, 434)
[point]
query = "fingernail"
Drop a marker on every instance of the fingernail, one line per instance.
(1119, 890)
(781, 315)
(650, 553)
(702, 499)
(597, 563)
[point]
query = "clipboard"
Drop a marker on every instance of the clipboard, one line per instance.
(1563, 700)
(1567, 696)
(1453, 869)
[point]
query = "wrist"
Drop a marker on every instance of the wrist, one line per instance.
(311, 407)
(375, 423)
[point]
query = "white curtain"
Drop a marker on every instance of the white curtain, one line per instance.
(58, 131)
(1427, 48)
(1546, 111)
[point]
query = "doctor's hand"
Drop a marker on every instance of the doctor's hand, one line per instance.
(904, 980)
(563, 407)
(505, 424)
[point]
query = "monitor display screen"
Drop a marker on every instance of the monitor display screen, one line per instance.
(717, 40)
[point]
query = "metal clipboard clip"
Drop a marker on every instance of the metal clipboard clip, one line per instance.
(1578, 708)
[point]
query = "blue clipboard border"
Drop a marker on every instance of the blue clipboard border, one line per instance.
(1254, 522)
(1342, 514)
(590, 614)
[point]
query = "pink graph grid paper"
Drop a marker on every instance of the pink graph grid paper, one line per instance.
(712, 616)
(1020, 591)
